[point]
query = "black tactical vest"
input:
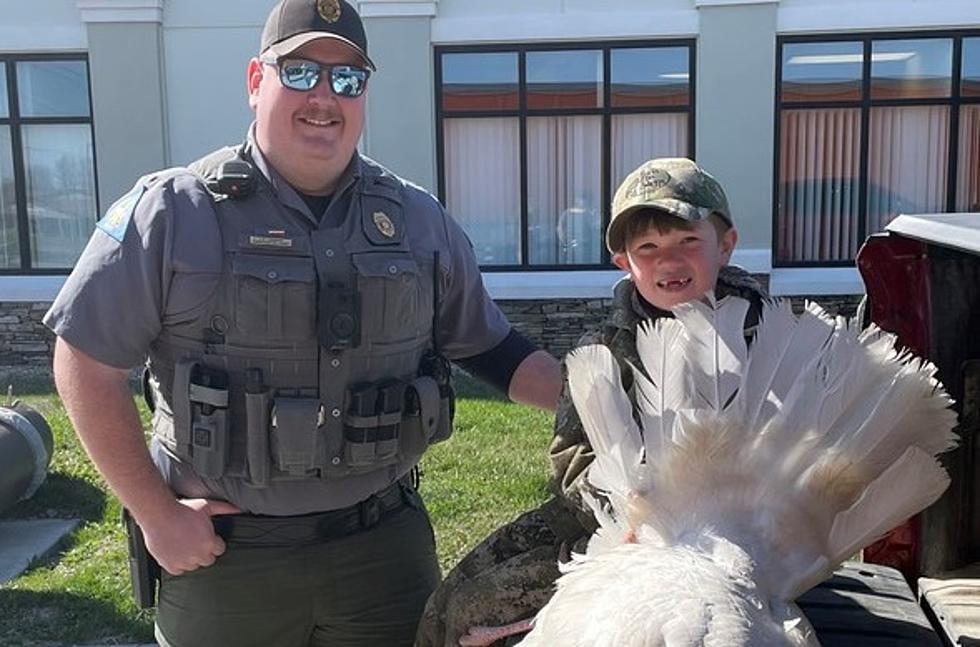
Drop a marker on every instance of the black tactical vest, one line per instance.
(314, 358)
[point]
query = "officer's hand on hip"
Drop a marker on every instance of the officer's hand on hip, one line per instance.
(184, 540)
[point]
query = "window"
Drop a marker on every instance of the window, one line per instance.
(533, 140)
(48, 203)
(868, 128)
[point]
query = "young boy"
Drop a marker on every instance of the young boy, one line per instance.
(672, 232)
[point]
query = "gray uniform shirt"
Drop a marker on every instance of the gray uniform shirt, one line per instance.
(158, 254)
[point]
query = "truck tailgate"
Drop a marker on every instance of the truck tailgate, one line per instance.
(867, 605)
(954, 600)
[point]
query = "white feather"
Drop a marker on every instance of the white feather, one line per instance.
(606, 414)
(782, 351)
(910, 484)
(715, 350)
(667, 388)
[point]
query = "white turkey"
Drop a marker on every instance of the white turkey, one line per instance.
(745, 478)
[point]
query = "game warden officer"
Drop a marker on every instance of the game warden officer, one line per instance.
(296, 305)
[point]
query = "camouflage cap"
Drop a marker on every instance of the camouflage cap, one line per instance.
(675, 185)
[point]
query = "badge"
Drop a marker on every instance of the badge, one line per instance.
(384, 224)
(117, 218)
(329, 10)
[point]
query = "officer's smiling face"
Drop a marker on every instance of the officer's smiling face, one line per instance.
(309, 137)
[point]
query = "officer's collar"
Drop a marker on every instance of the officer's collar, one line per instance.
(285, 191)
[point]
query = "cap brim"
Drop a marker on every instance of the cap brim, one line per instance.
(291, 44)
(616, 232)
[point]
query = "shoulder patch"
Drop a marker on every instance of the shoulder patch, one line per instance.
(117, 218)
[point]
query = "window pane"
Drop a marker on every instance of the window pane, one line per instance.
(483, 185)
(564, 190)
(9, 247)
(53, 89)
(822, 71)
(480, 81)
(638, 138)
(817, 209)
(907, 161)
(970, 86)
(4, 104)
(911, 68)
(569, 79)
(656, 76)
(61, 207)
(968, 167)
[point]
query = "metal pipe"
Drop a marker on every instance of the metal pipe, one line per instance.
(26, 445)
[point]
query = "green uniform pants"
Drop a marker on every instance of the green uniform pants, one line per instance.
(367, 589)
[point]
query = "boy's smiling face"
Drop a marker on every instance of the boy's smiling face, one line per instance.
(676, 265)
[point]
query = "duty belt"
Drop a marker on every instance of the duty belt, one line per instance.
(318, 527)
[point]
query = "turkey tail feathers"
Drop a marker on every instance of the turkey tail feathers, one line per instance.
(804, 447)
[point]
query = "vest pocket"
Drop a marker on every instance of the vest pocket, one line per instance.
(391, 296)
(275, 296)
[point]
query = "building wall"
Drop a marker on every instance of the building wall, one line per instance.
(473, 21)
(400, 130)
(206, 49)
(734, 101)
(41, 26)
(24, 341)
(557, 324)
(130, 127)
(554, 324)
(168, 85)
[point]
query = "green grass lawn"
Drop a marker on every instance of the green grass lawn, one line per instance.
(492, 469)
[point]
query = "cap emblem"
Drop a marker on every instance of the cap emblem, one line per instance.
(384, 224)
(649, 181)
(329, 10)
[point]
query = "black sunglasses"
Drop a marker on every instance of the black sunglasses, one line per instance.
(302, 75)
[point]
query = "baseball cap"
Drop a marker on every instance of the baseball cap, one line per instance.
(294, 23)
(675, 185)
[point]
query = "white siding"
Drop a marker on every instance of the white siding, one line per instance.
(41, 26)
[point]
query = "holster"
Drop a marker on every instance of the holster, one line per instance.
(144, 572)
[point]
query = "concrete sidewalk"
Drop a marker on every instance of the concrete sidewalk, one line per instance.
(24, 541)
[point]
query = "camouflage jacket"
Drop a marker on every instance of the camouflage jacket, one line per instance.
(570, 451)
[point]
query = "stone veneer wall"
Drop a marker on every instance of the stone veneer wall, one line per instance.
(555, 324)
(24, 340)
(25, 346)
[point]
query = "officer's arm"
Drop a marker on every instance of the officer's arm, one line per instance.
(101, 408)
(516, 367)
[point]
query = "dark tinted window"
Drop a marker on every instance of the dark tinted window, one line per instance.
(4, 106)
(53, 89)
(480, 81)
(970, 86)
(920, 68)
(566, 79)
(822, 71)
(645, 77)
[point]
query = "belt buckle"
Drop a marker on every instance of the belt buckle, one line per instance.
(369, 511)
